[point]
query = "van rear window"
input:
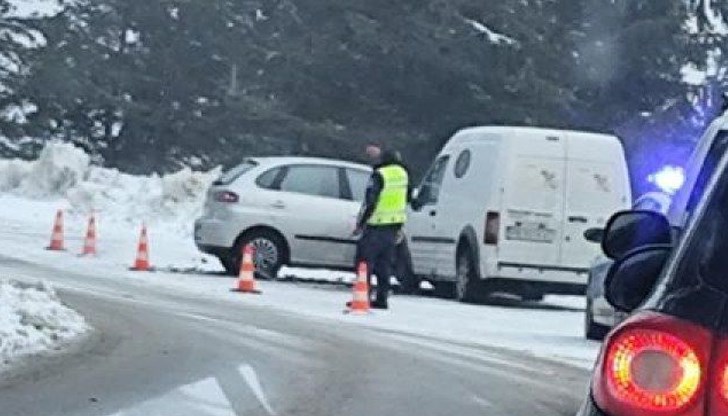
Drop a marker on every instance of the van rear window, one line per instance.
(233, 174)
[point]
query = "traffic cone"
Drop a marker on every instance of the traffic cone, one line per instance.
(142, 260)
(57, 236)
(246, 278)
(89, 243)
(360, 304)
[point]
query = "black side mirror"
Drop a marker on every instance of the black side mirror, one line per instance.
(628, 231)
(594, 235)
(631, 279)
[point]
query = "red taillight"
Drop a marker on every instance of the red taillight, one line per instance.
(492, 227)
(227, 197)
(719, 393)
(653, 364)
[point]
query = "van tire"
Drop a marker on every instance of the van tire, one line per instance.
(467, 286)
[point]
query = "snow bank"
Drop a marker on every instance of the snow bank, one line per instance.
(64, 172)
(33, 320)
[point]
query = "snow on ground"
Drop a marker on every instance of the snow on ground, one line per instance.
(33, 320)
(31, 192)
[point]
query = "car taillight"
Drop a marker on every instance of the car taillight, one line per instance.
(718, 405)
(227, 197)
(492, 227)
(653, 364)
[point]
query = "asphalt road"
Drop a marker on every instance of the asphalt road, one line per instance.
(171, 354)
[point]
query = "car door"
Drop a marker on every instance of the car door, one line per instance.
(316, 216)
(421, 228)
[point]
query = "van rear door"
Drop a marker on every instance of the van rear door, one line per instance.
(597, 186)
(532, 204)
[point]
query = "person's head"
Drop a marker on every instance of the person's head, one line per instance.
(389, 157)
(374, 152)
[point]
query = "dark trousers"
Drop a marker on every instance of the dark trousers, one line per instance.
(377, 248)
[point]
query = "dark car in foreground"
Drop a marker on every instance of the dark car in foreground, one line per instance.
(670, 357)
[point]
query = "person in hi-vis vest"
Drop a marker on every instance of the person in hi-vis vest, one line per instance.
(383, 214)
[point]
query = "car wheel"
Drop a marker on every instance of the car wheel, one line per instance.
(593, 331)
(269, 249)
(466, 283)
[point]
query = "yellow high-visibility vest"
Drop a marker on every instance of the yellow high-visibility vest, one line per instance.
(392, 205)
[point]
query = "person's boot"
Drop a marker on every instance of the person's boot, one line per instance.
(380, 304)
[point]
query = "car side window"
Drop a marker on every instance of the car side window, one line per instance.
(313, 180)
(358, 181)
(269, 178)
(429, 192)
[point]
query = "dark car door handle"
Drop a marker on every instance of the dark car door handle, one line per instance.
(582, 220)
(433, 213)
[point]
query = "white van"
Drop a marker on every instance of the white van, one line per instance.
(505, 209)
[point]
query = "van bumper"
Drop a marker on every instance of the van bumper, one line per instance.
(544, 279)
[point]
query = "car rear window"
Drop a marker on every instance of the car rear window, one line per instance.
(233, 174)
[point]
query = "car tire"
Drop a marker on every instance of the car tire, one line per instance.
(593, 331)
(270, 252)
(467, 286)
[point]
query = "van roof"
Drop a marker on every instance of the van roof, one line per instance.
(461, 135)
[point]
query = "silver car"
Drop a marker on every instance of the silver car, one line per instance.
(293, 210)
(600, 316)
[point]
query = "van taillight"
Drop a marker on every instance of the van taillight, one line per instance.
(653, 364)
(227, 196)
(492, 227)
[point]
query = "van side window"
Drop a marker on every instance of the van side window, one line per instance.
(462, 164)
(430, 190)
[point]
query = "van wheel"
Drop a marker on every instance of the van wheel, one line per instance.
(466, 283)
(270, 252)
(593, 330)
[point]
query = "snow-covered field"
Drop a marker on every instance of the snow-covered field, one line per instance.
(31, 192)
(33, 320)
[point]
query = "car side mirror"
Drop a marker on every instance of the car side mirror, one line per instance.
(631, 279)
(628, 231)
(594, 235)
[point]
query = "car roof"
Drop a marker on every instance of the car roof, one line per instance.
(270, 161)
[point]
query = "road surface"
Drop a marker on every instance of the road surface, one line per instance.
(156, 352)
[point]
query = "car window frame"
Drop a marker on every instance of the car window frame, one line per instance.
(681, 253)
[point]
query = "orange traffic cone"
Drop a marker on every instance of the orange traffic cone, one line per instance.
(360, 304)
(246, 279)
(142, 260)
(57, 236)
(89, 243)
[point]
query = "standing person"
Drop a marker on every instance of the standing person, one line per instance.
(383, 214)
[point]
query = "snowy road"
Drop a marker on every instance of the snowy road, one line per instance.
(162, 352)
